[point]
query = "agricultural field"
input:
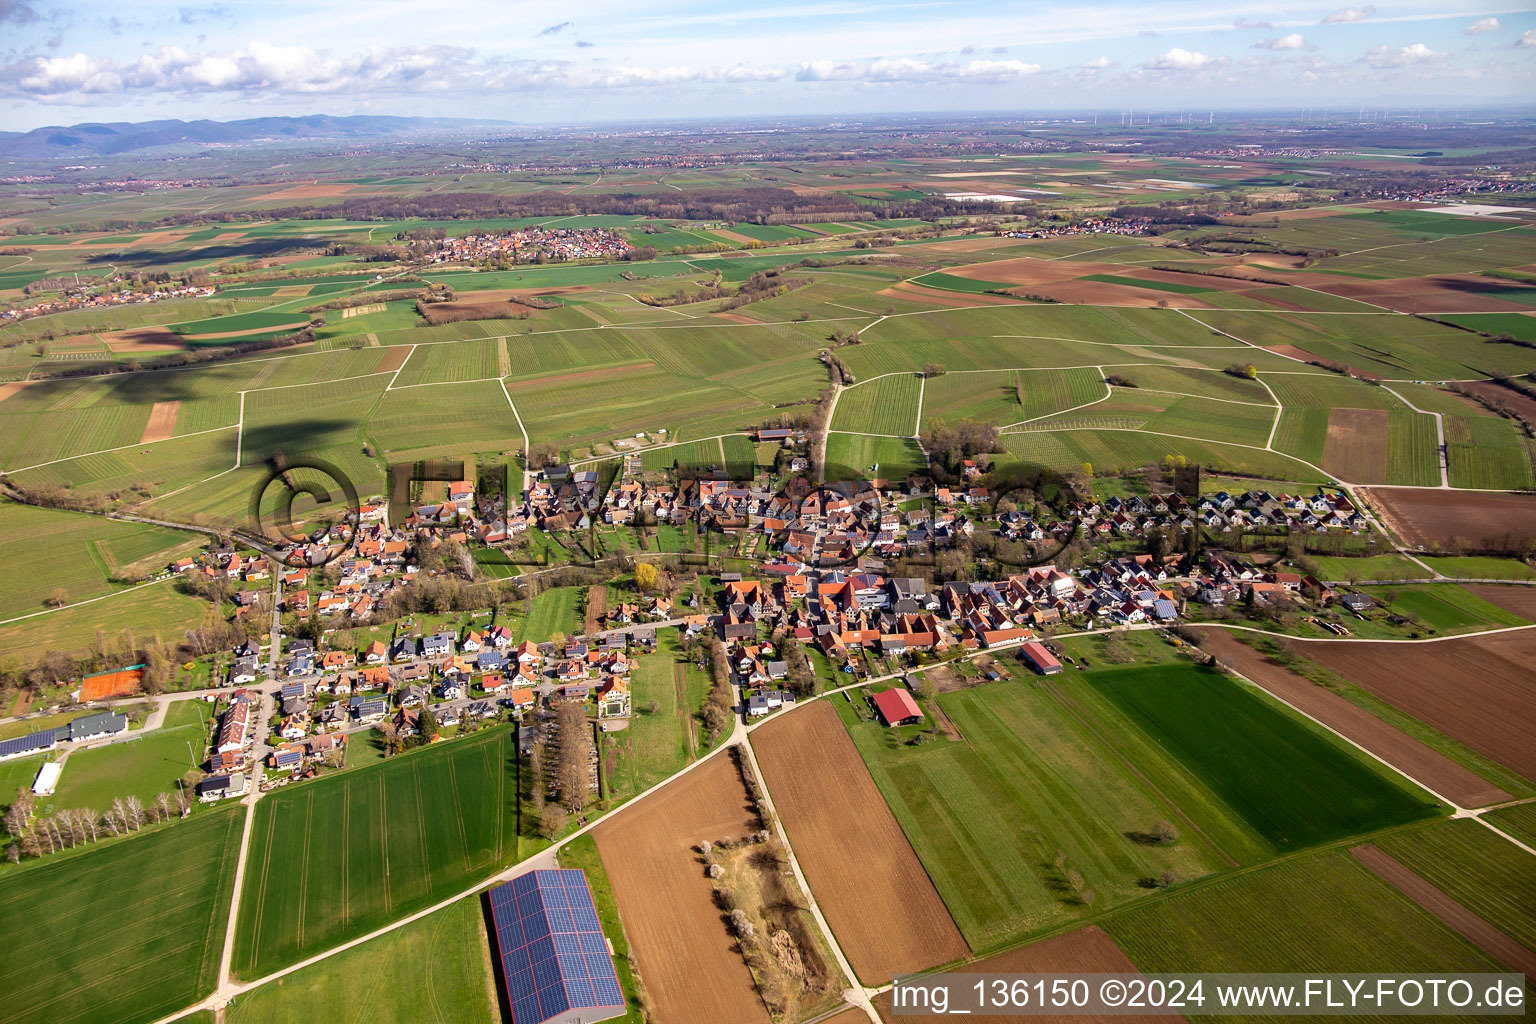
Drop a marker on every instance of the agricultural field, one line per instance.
(862, 457)
(51, 554)
(171, 890)
(1322, 912)
(338, 857)
(435, 970)
(145, 611)
(886, 405)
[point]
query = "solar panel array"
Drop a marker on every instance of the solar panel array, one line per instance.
(553, 954)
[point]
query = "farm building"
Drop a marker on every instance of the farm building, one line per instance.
(553, 954)
(87, 727)
(1040, 659)
(897, 707)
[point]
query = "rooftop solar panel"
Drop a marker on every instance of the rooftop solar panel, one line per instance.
(551, 946)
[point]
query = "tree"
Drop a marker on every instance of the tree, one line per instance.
(934, 370)
(1164, 832)
(135, 812)
(551, 821)
(573, 766)
(57, 598)
(1088, 470)
(927, 689)
(426, 725)
(646, 577)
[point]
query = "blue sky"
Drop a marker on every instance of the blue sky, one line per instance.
(603, 59)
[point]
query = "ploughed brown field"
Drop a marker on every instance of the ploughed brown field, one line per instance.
(692, 970)
(1478, 690)
(162, 422)
(1520, 600)
(1457, 917)
(881, 904)
(1522, 403)
(1397, 748)
(1356, 449)
(1425, 516)
(1085, 951)
(393, 358)
(1441, 293)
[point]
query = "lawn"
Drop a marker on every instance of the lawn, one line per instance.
(128, 932)
(859, 456)
(551, 612)
(581, 854)
(987, 815)
(1324, 912)
(338, 857)
(658, 743)
(1445, 607)
(437, 969)
(1479, 869)
(1292, 783)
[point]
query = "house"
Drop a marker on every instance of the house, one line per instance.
(521, 699)
(1357, 602)
(369, 709)
(437, 646)
(613, 698)
(377, 653)
(1038, 658)
(219, 787)
(451, 690)
(896, 707)
(414, 696)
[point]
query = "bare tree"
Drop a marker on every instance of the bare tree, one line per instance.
(136, 812)
(183, 802)
(163, 803)
(119, 812)
(92, 821)
(573, 764)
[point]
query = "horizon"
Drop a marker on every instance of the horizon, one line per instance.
(607, 64)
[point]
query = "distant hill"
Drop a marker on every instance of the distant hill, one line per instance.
(96, 139)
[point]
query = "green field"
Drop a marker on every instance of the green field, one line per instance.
(1487, 453)
(156, 609)
(47, 553)
(988, 814)
(1445, 607)
(1519, 822)
(856, 457)
(1375, 567)
(1004, 397)
(1478, 868)
(338, 857)
(657, 743)
(128, 932)
(551, 612)
(1136, 282)
(1123, 450)
(886, 405)
(1323, 912)
(1294, 785)
(435, 970)
(1475, 567)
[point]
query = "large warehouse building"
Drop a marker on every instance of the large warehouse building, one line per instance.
(554, 957)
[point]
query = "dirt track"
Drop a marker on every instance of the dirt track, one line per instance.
(1087, 950)
(881, 904)
(1397, 748)
(1478, 690)
(687, 960)
(1433, 899)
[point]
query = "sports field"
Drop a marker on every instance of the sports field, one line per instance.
(131, 931)
(337, 857)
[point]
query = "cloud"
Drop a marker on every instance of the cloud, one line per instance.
(1097, 64)
(261, 69)
(1349, 14)
(1294, 41)
(1384, 56)
(1179, 59)
(16, 12)
(907, 70)
(212, 12)
(1244, 23)
(1148, 33)
(1482, 25)
(554, 30)
(583, 44)
(1527, 38)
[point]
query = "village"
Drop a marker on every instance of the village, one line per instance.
(534, 244)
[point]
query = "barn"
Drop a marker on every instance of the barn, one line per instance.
(554, 958)
(897, 707)
(1040, 659)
